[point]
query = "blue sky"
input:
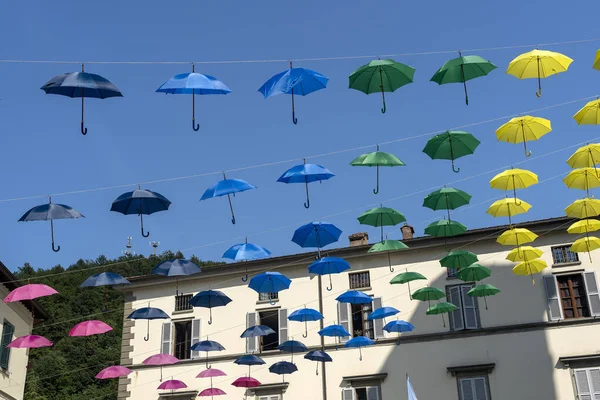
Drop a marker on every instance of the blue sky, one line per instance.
(147, 136)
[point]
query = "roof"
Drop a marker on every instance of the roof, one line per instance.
(9, 280)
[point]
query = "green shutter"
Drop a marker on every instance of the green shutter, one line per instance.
(7, 334)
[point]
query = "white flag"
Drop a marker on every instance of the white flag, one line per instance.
(409, 388)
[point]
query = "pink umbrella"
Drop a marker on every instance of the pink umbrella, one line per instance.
(172, 384)
(29, 342)
(246, 382)
(210, 373)
(114, 371)
(160, 359)
(88, 328)
(211, 392)
(29, 292)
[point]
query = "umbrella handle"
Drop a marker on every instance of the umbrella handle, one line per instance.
(527, 153)
(384, 108)
(147, 337)
(245, 278)
(195, 126)
(360, 354)
(330, 287)
(142, 227)
(305, 334)
(231, 209)
(390, 262)
(294, 119)
(455, 169)
(376, 190)
(210, 316)
(317, 370)
(307, 204)
(272, 302)
(83, 129)
(56, 250)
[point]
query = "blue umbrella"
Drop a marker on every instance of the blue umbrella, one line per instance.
(283, 368)
(246, 251)
(257, 330)
(209, 299)
(292, 346)
(305, 315)
(334, 331)
(50, 212)
(104, 279)
(316, 234)
(306, 173)
(193, 83)
(354, 297)
(398, 326)
(140, 202)
(227, 187)
(176, 268)
(148, 313)
(269, 282)
(328, 266)
(207, 345)
(81, 84)
(318, 355)
(249, 360)
(382, 312)
(294, 81)
(359, 341)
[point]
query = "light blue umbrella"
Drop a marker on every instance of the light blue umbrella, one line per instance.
(318, 355)
(354, 297)
(305, 315)
(360, 342)
(227, 187)
(298, 81)
(328, 266)
(316, 235)
(269, 282)
(334, 331)
(245, 252)
(382, 312)
(306, 173)
(398, 326)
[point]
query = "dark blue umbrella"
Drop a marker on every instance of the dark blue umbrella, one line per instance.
(227, 187)
(316, 234)
(360, 342)
(305, 315)
(81, 84)
(50, 212)
(318, 355)
(354, 297)
(140, 202)
(207, 345)
(298, 81)
(257, 330)
(269, 282)
(306, 173)
(328, 266)
(246, 251)
(292, 346)
(176, 268)
(249, 360)
(398, 326)
(105, 279)
(283, 368)
(209, 299)
(334, 331)
(148, 313)
(382, 312)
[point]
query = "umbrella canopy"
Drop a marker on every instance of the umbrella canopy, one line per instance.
(458, 259)
(50, 212)
(269, 282)
(382, 312)
(29, 292)
(256, 330)
(211, 373)
(583, 179)
(513, 179)
(114, 371)
(461, 70)
(360, 342)
(328, 266)
(524, 253)
(585, 156)
(318, 355)
(446, 199)
(305, 315)
(508, 207)
(377, 159)
(428, 293)
(444, 228)
(380, 76)
(172, 384)
(380, 217)
(316, 234)
(105, 279)
(588, 114)
(246, 251)
(584, 226)
(597, 61)
(405, 277)
(292, 346)
(140, 202)
(306, 173)
(249, 359)
(246, 382)
(207, 345)
(176, 267)
(297, 81)
(81, 84)
(474, 272)
(227, 187)
(516, 237)
(148, 313)
(483, 291)
(451, 145)
(209, 299)
(398, 326)
(388, 245)
(523, 129)
(538, 64)
(583, 208)
(283, 368)
(211, 392)
(441, 308)
(354, 297)
(584, 244)
(29, 342)
(529, 268)
(334, 331)
(160, 360)
(88, 328)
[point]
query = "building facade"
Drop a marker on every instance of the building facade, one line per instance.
(534, 340)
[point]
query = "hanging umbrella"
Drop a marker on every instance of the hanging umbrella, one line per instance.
(444, 228)
(283, 368)
(597, 61)
(516, 237)
(461, 70)
(585, 156)
(88, 328)
(306, 173)
(148, 313)
(529, 268)
(193, 83)
(407, 277)
(451, 145)
(360, 342)
(428, 294)
(399, 327)
(140, 202)
(29, 342)
(316, 234)
(584, 226)
(583, 179)
(588, 114)
(474, 272)
(269, 282)
(176, 268)
(381, 76)
(334, 331)
(458, 259)
(380, 217)
(257, 330)
(328, 266)
(292, 346)
(294, 81)
(246, 382)
(245, 252)
(81, 84)
(305, 315)
(377, 159)
(483, 291)
(211, 373)
(172, 384)
(446, 199)
(209, 299)
(160, 360)
(508, 207)
(513, 179)
(319, 356)
(585, 244)
(29, 292)
(538, 64)
(388, 246)
(114, 371)
(250, 360)
(50, 212)
(441, 309)
(211, 392)
(227, 187)
(105, 279)
(524, 253)
(207, 345)
(354, 297)
(382, 313)
(583, 208)
(523, 129)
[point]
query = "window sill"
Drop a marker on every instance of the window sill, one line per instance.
(567, 264)
(363, 289)
(267, 302)
(183, 312)
(451, 278)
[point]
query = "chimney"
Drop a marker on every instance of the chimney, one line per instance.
(359, 239)
(407, 231)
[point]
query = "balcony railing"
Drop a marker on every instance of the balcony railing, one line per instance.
(182, 302)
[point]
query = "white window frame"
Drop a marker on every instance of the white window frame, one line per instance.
(462, 289)
(352, 391)
(592, 392)
(269, 397)
(473, 378)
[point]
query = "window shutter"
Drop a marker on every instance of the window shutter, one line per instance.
(480, 386)
(594, 379)
(195, 336)
(251, 343)
(591, 288)
(466, 389)
(456, 316)
(166, 338)
(7, 334)
(373, 393)
(469, 307)
(283, 325)
(554, 308)
(347, 394)
(378, 323)
(583, 385)
(344, 319)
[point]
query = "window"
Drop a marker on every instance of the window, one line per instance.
(359, 280)
(182, 302)
(268, 296)
(451, 272)
(353, 317)
(273, 397)
(466, 316)
(361, 393)
(573, 300)
(562, 255)
(274, 319)
(178, 338)
(473, 388)
(572, 296)
(7, 336)
(587, 383)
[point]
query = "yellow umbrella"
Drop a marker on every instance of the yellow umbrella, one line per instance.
(589, 114)
(585, 156)
(523, 129)
(584, 226)
(516, 237)
(513, 179)
(583, 208)
(582, 178)
(508, 208)
(597, 61)
(588, 243)
(529, 268)
(524, 253)
(538, 64)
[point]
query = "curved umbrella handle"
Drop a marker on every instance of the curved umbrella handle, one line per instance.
(384, 108)
(83, 129)
(455, 169)
(360, 354)
(147, 337)
(376, 190)
(56, 250)
(210, 316)
(245, 278)
(305, 334)
(390, 262)
(272, 302)
(317, 370)
(527, 153)
(307, 204)
(330, 287)
(195, 126)
(142, 226)
(294, 119)
(231, 209)
(208, 366)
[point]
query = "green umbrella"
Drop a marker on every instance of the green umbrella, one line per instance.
(474, 272)
(441, 308)
(407, 277)
(446, 199)
(451, 145)
(428, 293)
(444, 228)
(458, 259)
(483, 291)
(388, 245)
(461, 70)
(381, 76)
(377, 159)
(381, 216)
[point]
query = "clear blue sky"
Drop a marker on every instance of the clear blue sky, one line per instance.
(147, 136)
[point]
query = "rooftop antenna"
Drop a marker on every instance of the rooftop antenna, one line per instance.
(128, 246)
(154, 244)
